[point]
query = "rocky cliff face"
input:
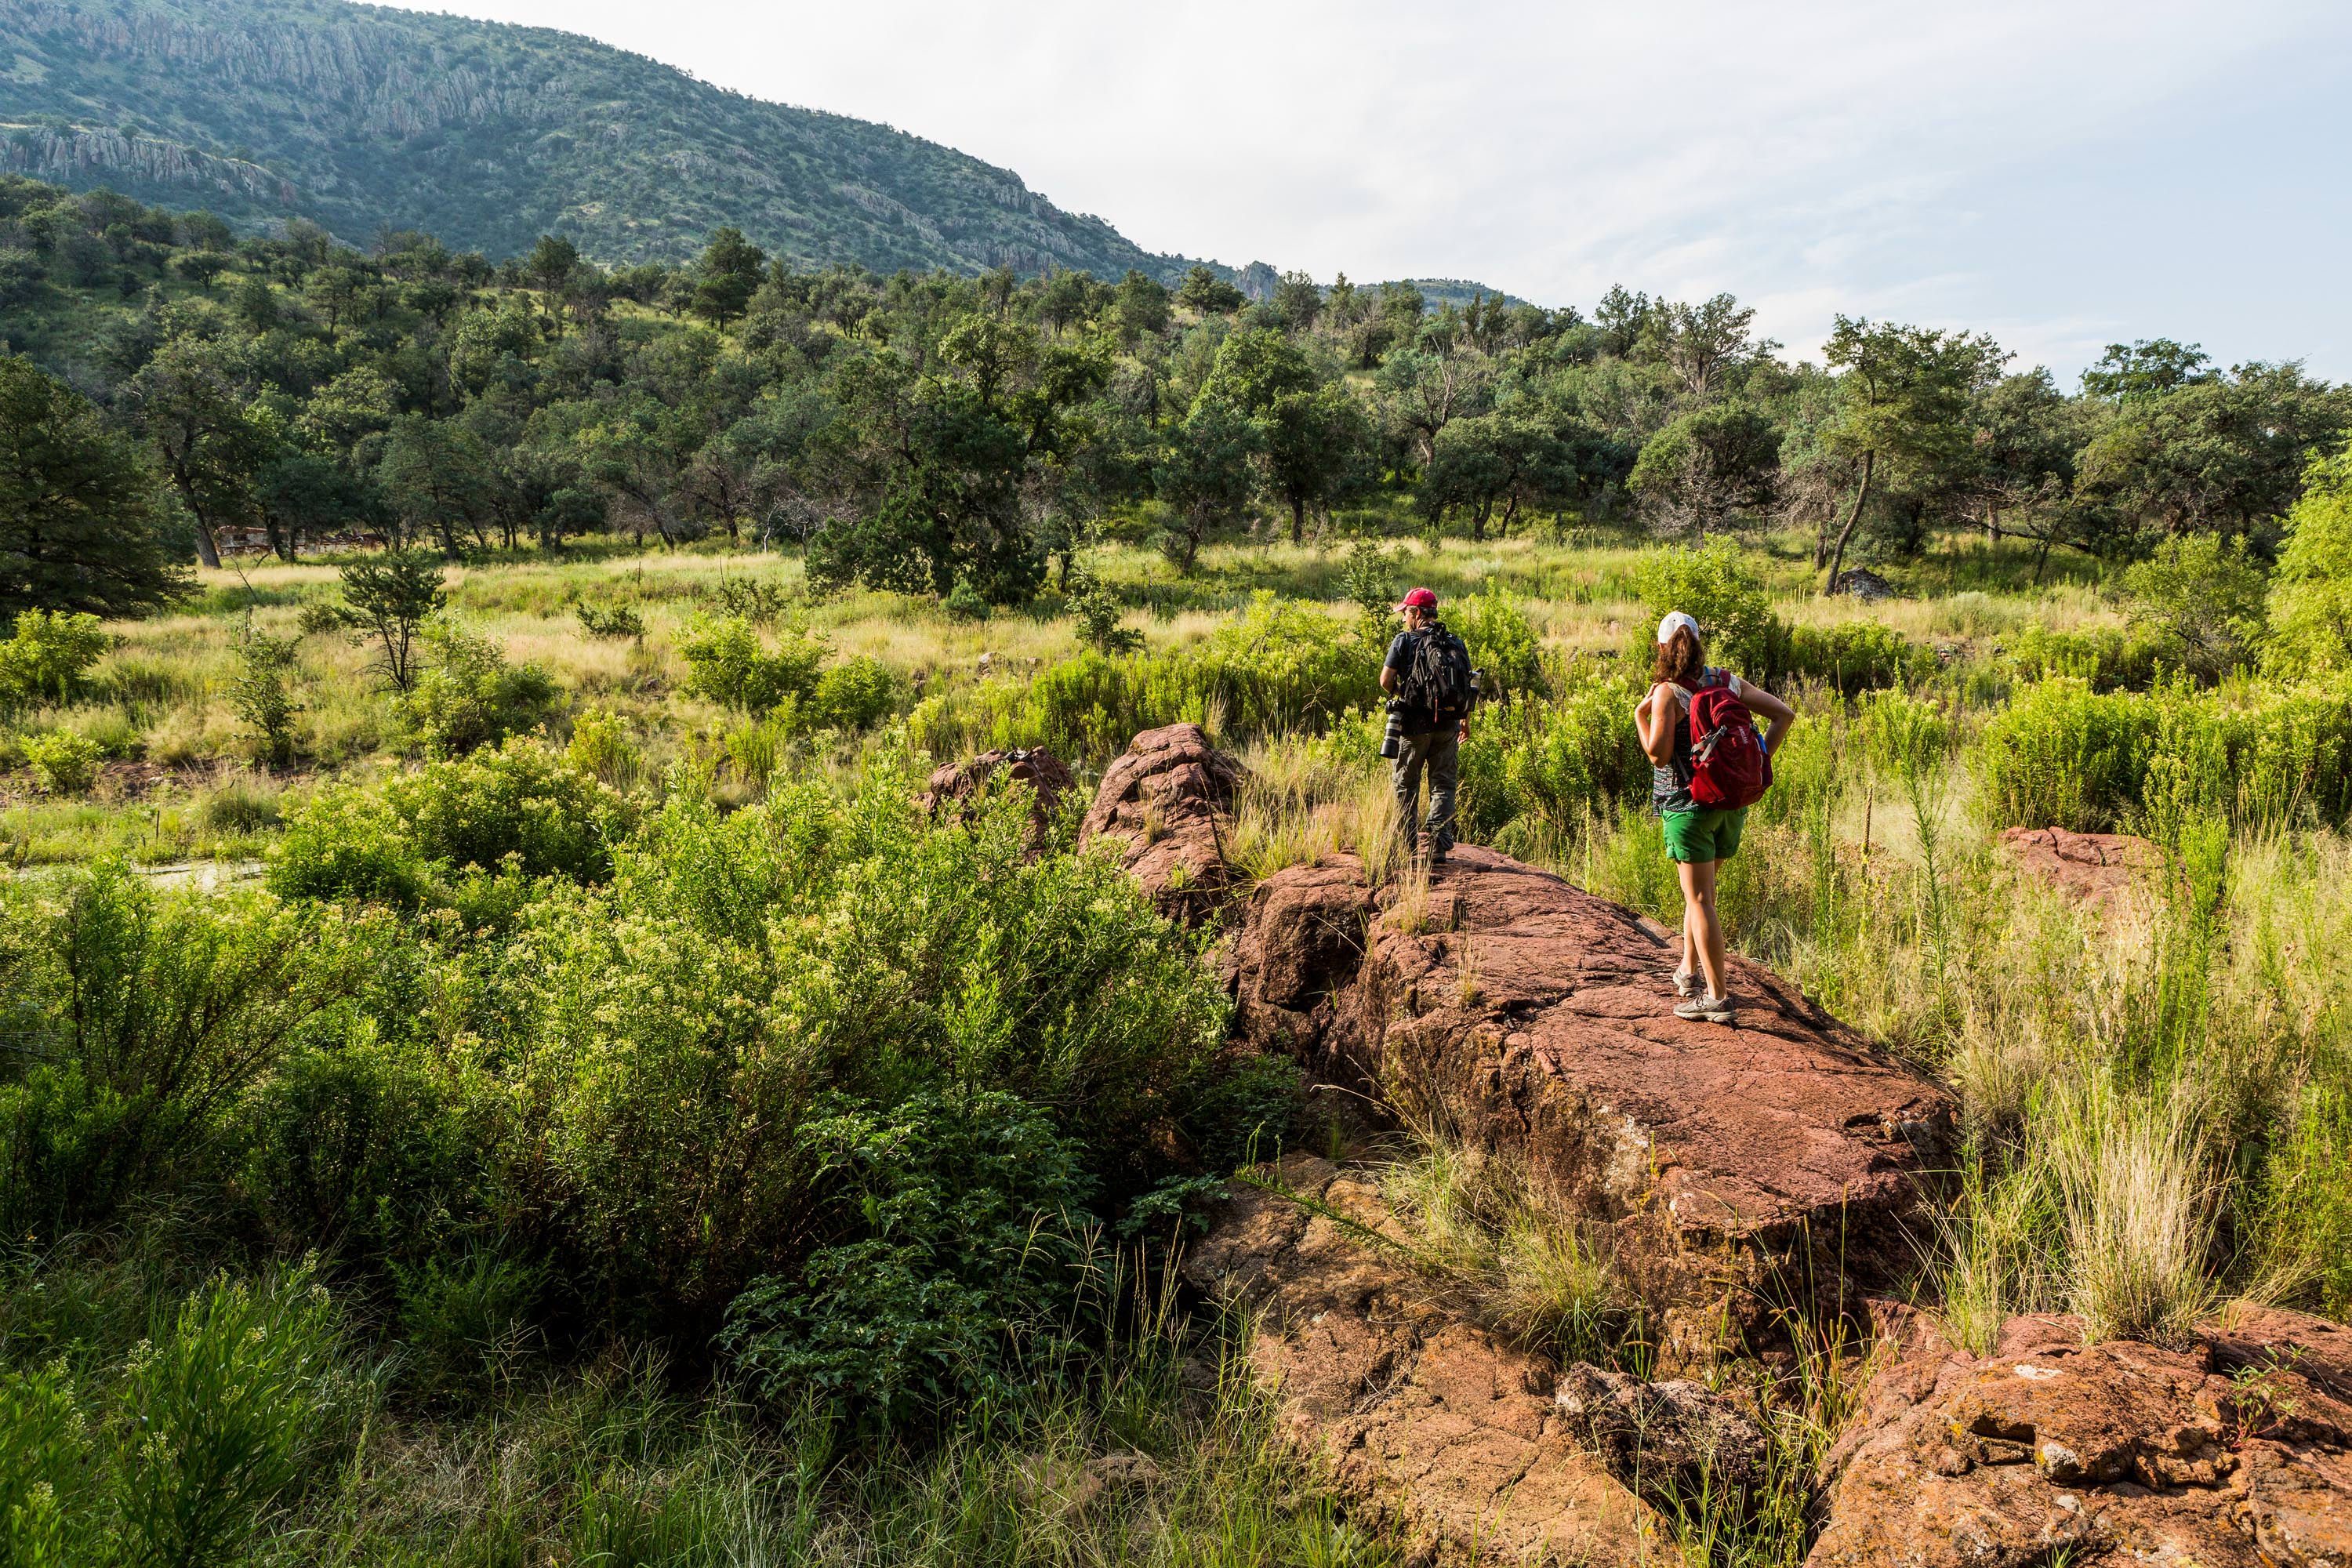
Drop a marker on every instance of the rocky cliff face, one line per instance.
(140, 166)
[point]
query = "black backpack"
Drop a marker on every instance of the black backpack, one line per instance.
(1440, 678)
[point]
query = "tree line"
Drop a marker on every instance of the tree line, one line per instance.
(936, 433)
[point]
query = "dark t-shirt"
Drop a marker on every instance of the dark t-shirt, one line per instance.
(1419, 718)
(1670, 784)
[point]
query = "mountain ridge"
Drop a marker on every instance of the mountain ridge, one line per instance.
(490, 133)
(487, 134)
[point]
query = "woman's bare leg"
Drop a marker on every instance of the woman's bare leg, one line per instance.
(1701, 928)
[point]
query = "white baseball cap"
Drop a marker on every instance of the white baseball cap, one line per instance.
(1675, 621)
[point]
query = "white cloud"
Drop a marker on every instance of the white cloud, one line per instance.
(1813, 157)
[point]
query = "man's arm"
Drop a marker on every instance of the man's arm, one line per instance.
(1388, 677)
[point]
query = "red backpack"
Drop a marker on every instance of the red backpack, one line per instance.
(1730, 766)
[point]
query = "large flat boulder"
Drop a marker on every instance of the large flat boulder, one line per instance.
(1165, 805)
(1742, 1168)
(2234, 1451)
(1424, 1423)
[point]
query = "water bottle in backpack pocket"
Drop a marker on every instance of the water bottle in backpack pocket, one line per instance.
(1730, 766)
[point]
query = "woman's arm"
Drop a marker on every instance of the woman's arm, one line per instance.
(1654, 721)
(1778, 715)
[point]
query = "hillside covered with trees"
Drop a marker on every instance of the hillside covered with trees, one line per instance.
(952, 436)
(359, 119)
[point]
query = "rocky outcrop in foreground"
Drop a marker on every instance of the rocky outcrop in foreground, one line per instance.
(2233, 1452)
(1165, 805)
(1427, 1425)
(2093, 869)
(1783, 1161)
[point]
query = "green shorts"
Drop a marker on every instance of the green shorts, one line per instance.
(1695, 837)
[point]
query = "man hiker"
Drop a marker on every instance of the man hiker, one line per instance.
(1431, 689)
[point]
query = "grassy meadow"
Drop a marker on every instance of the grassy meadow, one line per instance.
(589, 1115)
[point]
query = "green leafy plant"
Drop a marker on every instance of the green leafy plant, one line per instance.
(224, 1411)
(965, 1221)
(63, 762)
(471, 696)
(47, 654)
(728, 663)
(259, 696)
(616, 622)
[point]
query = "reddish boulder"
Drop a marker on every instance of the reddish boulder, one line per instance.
(1514, 1013)
(2093, 869)
(1165, 803)
(1424, 1424)
(2235, 1452)
(1048, 776)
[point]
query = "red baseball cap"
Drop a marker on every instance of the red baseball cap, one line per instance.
(1419, 599)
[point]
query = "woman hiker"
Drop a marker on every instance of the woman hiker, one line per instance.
(1697, 836)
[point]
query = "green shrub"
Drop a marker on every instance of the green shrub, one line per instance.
(47, 656)
(155, 1012)
(1714, 586)
(759, 600)
(471, 696)
(2061, 755)
(1098, 613)
(517, 800)
(854, 695)
(46, 1469)
(742, 969)
(260, 696)
(2107, 659)
(63, 762)
(467, 1322)
(1855, 656)
(1503, 645)
(359, 1147)
(224, 1410)
(617, 623)
(2200, 600)
(962, 1222)
(601, 748)
(1555, 761)
(2311, 597)
(1248, 1110)
(727, 662)
(1278, 668)
(348, 844)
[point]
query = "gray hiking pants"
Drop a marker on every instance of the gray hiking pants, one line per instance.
(1441, 754)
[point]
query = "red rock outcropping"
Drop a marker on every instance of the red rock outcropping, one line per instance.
(1165, 805)
(1779, 1161)
(2093, 868)
(1048, 776)
(1425, 1424)
(2235, 1452)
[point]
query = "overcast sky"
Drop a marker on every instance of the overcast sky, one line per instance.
(2060, 173)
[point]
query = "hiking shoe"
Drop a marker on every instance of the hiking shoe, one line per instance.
(1707, 1009)
(1685, 982)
